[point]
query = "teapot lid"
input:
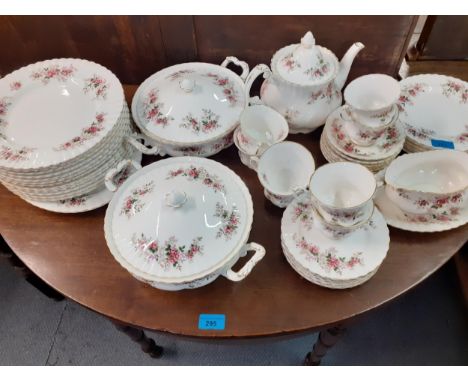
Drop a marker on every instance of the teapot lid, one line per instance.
(305, 63)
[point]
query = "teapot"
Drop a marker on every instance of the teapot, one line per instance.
(304, 83)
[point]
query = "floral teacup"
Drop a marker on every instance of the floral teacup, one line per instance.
(342, 193)
(371, 99)
(284, 170)
(429, 183)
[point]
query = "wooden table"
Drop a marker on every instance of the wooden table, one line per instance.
(69, 253)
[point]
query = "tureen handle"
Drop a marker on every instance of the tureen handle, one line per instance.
(236, 61)
(259, 69)
(247, 268)
(133, 140)
(110, 175)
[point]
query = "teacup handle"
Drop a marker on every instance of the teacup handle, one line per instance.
(236, 61)
(380, 178)
(345, 113)
(247, 268)
(256, 71)
(110, 175)
(133, 140)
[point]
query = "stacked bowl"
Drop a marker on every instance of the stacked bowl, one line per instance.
(366, 130)
(63, 125)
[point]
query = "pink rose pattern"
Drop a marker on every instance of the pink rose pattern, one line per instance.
(390, 137)
(229, 90)
(199, 174)
(176, 75)
(96, 85)
(290, 115)
(86, 134)
(8, 154)
(16, 85)
(5, 103)
(170, 255)
(152, 109)
(409, 92)
(457, 89)
(76, 201)
(133, 203)
(290, 63)
(328, 259)
(320, 70)
(328, 94)
(207, 123)
(229, 221)
(302, 212)
(54, 71)
(444, 216)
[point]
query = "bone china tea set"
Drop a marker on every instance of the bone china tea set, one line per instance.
(68, 144)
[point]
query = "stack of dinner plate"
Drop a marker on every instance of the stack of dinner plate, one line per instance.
(434, 113)
(63, 125)
(337, 146)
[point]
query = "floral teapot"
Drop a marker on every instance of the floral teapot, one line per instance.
(304, 83)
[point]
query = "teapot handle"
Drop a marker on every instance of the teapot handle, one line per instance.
(257, 71)
(236, 61)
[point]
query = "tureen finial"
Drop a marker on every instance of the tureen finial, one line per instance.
(187, 85)
(175, 199)
(308, 41)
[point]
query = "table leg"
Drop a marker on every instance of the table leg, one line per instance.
(326, 339)
(147, 344)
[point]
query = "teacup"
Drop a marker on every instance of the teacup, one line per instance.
(284, 170)
(342, 193)
(364, 135)
(428, 183)
(371, 99)
(261, 127)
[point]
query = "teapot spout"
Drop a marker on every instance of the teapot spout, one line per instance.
(346, 62)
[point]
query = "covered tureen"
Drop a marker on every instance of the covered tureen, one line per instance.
(190, 109)
(304, 83)
(182, 222)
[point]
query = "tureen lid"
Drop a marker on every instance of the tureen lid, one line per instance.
(305, 63)
(179, 219)
(189, 103)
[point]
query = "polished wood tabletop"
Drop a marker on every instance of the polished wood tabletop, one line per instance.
(69, 252)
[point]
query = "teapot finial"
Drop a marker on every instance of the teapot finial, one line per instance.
(308, 41)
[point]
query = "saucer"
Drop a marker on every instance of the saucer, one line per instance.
(341, 262)
(397, 218)
(387, 145)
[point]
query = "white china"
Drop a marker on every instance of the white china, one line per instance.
(371, 99)
(180, 223)
(251, 161)
(342, 193)
(397, 218)
(53, 111)
(434, 111)
(190, 109)
(431, 183)
(388, 145)
(304, 83)
(328, 262)
(261, 127)
(285, 169)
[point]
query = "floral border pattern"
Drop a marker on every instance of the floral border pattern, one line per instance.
(228, 87)
(75, 201)
(176, 75)
(55, 71)
(15, 85)
(152, 109)
(97, 85)
(229, 221)
(290, 63)
(302, 212)
(170, 255)
(7, 153)
(193, 173)
(133, 204)
(86, 134)
(453, 88)
(328, 94)
(328, 259)
(409, 92)
(5, 104)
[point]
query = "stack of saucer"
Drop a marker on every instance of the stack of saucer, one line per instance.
(434, 113)
(362, 132)
(332, 235)
(63, 124)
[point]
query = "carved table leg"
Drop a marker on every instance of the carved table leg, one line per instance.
(147, 344)
(326, 339)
